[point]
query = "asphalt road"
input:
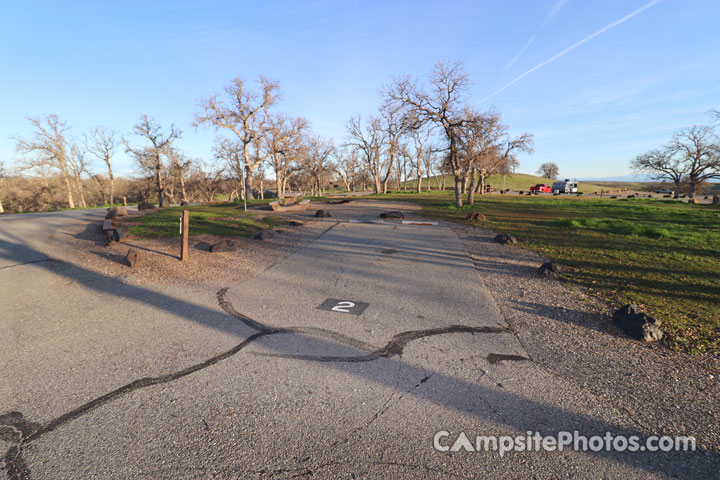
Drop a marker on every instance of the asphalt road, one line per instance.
(104, 379)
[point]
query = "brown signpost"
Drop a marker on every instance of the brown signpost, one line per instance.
(184, 230)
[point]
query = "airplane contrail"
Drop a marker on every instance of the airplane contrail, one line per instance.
(557, 6)
(574, 46)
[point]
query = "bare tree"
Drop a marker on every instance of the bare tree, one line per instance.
(502, 158)
(347, 167)
(368, 140)
(661, 164)
(179, 167)
(150, 158)
(394, 125)
(420, 155)
(101, 143)
(50, 144)
(699, 150)
(231, 152)
(245, 114)
(281, 141)
(549, 170)
(78, 166)
(440, 105)
(317, 163)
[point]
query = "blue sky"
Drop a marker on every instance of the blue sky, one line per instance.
(591, 110)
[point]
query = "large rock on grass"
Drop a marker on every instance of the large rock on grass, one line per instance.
(146, 206)
(223, 246)
(505, 239)
(637, 324)
(323, 214)
(475, 216)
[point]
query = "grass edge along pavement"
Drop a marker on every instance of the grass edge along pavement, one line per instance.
(223, 219)
(663, 255)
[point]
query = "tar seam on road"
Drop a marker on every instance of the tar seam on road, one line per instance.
(14, 426)
(25, 263)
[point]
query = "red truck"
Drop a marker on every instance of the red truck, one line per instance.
(541, 187)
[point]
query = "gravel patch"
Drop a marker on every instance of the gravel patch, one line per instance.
(570, 334)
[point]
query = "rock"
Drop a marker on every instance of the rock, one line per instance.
(631, 196)
(117, 234)
(133, 257)
(323, 214)
(667, 196)
(223, 246)
(183, 203)
(505, 239)
(146, 206)
(637, 324)
(116, 212)
(475, 216)
(613, 197)
(265, 235)
(393, 214)
(550, 269)
(650, 196)
(294, 223)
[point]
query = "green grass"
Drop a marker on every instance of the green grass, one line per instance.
(661, 254)
(226, 219)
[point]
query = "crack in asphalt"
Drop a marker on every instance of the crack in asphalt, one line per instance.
(15, 428)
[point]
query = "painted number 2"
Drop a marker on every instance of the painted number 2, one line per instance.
(343, 307)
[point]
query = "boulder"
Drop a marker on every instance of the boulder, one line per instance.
(294, 223)
(475, 216)
(223, 246)
(667, 196)
(393, 214)
(265, 235)
(116, 212)
(504, 238)
(133, 258)
(631, 196)
(117, 234)
(183, 203)
(146, 206)
(323, 214)
(550, 269)
(637, 324)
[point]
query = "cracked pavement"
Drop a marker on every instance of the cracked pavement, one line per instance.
(106, 379)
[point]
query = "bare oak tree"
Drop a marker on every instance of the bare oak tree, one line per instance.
(150, 158)
(661, 164)
(78, 165)
(699, 150)
(440, 105)
(369, 140)
(3, 175)
(281, 141)
(101, 143)
(245, 114)
(50, 145)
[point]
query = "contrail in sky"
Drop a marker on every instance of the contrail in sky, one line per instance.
(574, 46)
(557, 6)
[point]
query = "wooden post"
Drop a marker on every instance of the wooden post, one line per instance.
(125, 201)
(184, 230)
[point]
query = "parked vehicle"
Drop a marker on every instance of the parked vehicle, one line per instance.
(541, 188)
(665, 190)
(565, 186)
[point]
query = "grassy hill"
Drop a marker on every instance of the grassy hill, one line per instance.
(514, 181)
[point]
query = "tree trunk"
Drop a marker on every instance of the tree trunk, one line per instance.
(160, 188)
(182, 187)
(2, 210)
(471, 187)
(677, 188)
(419, 178)
(691, 188)
(66, 177)
(112, 180)
(262, 189)
(458, 190)
(78, 185)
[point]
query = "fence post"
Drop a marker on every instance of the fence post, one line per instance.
(184, 230)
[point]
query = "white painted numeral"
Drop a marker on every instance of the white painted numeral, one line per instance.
(342, 306)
